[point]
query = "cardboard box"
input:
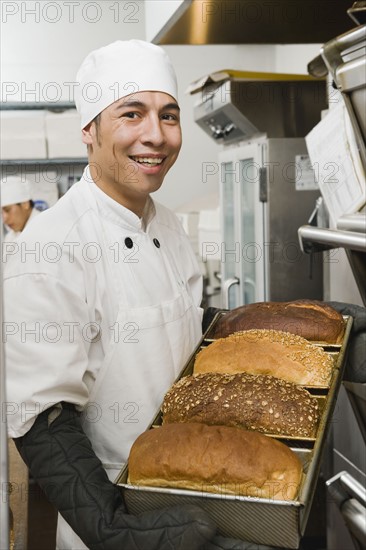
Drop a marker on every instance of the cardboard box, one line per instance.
(63, 135)
(22, 135)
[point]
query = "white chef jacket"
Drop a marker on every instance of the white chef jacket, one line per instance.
(101, 310)
(12, 236)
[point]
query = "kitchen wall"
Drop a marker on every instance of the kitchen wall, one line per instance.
(43, 44)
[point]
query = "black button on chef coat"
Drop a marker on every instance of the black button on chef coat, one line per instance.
(128, 242)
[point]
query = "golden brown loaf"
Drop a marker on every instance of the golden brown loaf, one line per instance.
(254, 402)
(313, 320)
(271, 352)
(215, 459)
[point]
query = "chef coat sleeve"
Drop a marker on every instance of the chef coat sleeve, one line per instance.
(47, 336)
(62, 461)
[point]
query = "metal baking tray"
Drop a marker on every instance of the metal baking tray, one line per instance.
(261, 521)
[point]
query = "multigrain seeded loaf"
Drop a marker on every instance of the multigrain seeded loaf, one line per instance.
(311, 319)
(271, 352)
(215, 459)
(254, 402)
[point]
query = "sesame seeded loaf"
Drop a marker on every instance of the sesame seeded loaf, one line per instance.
(254, 402)
(215, 459)
(311, 319)
(270, 352)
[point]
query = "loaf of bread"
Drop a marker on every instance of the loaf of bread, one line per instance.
(254, 402)
(215, 459)
(271, 352)
(313, 320)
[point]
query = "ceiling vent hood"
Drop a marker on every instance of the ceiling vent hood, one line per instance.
(256, 22)
(236, 105)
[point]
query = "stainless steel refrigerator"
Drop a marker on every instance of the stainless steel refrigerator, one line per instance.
(267, 190)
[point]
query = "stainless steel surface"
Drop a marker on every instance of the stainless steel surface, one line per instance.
(291, 274)
(329, 238)
(225, 288)
(357, 261)
(316, 67)
(353, 222)
(350, 497)
(280, 269)
(334, 51)
(235, 516)
(235, 110)
(260, 22)
(276, 523)
(354, 516)
(316, 239)
(357, 397)
(347, 462)
(345, 486)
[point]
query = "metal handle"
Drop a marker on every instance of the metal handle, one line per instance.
(354, 516)
(225, 288)
(219, 132)
(350, 497)
(343, 486)
(329, 238)
(332, 50)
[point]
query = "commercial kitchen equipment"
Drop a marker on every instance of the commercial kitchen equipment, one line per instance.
(345, 458)
(267, 185)
(248, 22)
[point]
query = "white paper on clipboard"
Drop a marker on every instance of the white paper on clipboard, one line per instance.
(336, 162)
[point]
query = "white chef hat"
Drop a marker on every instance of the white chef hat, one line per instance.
(118, 70)
(14, 189)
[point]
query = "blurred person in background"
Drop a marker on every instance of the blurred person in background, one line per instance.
(17, 206)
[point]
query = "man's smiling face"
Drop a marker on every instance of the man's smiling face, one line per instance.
(135, 142)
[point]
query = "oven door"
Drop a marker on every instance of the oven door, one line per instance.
(346, 501)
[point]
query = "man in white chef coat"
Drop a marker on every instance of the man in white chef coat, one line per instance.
(102, 309)
(16, 206)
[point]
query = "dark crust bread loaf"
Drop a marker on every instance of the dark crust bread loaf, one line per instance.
(311, 319)
(215, 459)
(254, 402)
(270, 352)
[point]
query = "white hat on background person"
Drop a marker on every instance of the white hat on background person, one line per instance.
(14, 190)
(118, 70)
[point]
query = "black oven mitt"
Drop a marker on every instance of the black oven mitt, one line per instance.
(208, 317)
(62, 461)
(355, 370)
(222, 543)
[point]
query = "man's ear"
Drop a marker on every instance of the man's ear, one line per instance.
(88, 133)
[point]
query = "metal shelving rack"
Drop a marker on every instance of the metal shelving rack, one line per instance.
(57, 107)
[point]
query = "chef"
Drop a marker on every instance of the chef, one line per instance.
(16, 205)
(104, 310)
